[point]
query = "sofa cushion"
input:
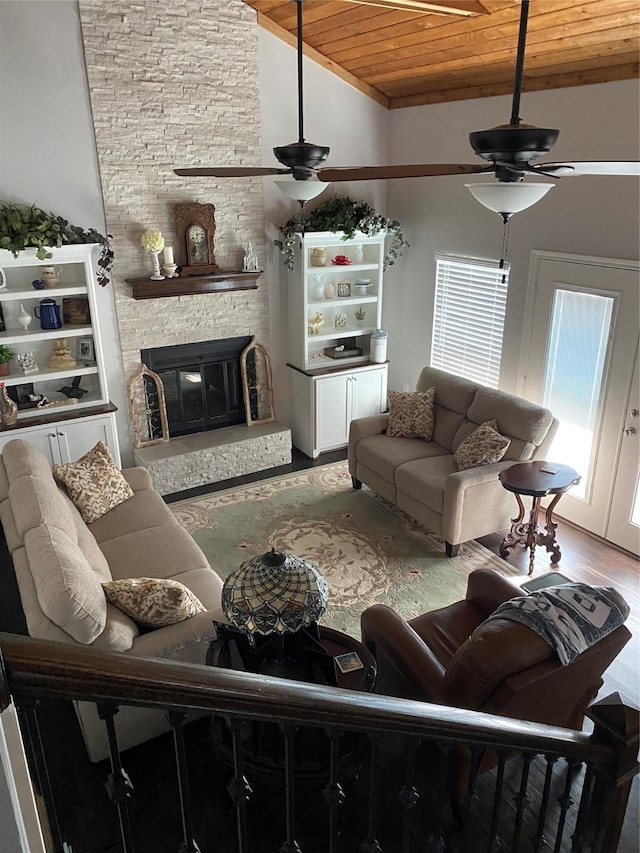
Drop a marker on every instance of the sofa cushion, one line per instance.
(95, 483)
(143, 511)
(425, 479)
(411, 414)
(24, 459)
(68, 590)
(484, 446)
(119, 633)
(526, 423)
(37, 501)
(153, 602)
(384, 454)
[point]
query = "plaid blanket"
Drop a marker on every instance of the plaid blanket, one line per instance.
(570, 618)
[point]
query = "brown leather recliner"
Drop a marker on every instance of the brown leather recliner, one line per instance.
(502, 667)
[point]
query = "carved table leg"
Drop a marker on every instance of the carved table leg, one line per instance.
(518, 532)
(548, 539)
(532, 532)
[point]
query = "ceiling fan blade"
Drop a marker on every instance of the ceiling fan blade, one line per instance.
(588, 167)
(230, 171)
(418, 170)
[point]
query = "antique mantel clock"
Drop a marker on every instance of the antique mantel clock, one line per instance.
(196, 227)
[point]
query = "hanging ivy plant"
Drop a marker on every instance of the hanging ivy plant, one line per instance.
(342, 214)
(24, 226)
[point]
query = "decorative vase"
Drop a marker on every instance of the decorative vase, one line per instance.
(157, 275)
(329, 291)
(356, 254)
(5, 368)
(24, 318)
(318, 256)
(50, 275)
(317, 288)
(9, 409)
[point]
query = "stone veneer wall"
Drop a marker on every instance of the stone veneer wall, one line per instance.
(176, 83)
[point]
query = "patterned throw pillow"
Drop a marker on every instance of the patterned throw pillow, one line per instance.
(95, 483)
(411, 414)
(153, 602)
(484, 446)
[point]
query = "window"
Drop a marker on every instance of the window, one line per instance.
(468, 318)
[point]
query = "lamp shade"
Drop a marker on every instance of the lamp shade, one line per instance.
(508, 198)
(301, 190)
(274, 593)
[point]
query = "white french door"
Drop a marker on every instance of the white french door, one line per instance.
(583, 316)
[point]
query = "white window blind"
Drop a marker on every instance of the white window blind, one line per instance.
(468, 318)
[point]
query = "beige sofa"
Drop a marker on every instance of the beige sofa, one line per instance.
(422, 478)
(60, 563)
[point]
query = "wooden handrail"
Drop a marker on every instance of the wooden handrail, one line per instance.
(33, 669)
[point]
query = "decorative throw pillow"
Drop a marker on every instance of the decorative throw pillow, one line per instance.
(153, 602)
(484, 446)
(94, 483)
(411, 414)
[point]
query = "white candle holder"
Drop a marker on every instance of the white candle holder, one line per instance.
(157, 275)
(170, 270)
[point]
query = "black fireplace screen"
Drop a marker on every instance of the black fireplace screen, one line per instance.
(202, 383)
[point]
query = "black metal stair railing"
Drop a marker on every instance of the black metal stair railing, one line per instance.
(428, 778)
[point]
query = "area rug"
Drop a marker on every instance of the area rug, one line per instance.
(368, 550)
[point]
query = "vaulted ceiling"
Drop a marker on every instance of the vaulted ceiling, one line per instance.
(404, 53)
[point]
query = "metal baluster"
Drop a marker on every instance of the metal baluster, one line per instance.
(544, 802)
(408, 797)
(239, 789)
(28, 715)
(371, 844)
(474, 764)
(333, 792)
(521, 800)
(497, 801)
(189, 845)
(565, 802)
(579, 839)
(436, 841)
(118, 784)
(290, 845)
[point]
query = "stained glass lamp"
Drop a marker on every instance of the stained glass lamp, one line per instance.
(274, 593)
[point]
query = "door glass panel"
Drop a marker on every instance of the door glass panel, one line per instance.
(191, 395)
(573, 381)
(215, 378)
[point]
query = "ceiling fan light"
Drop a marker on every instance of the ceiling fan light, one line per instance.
(301, 191)
(508, 198)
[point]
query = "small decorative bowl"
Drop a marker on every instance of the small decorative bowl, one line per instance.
(39, 284)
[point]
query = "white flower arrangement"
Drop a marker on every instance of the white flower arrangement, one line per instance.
(152, 241)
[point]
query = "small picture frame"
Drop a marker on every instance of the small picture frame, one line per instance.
(349, 662)
(344, 288)
(86, 351)
(22, 394)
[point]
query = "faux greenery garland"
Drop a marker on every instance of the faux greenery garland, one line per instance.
(25, 226)
(342, 214)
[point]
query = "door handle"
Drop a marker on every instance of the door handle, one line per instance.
(634, 413)
(630, 431)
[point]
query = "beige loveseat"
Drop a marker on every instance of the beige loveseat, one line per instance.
(60, 563)
(422, 477)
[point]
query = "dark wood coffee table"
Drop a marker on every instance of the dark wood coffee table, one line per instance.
(264, 747)
(528, 478)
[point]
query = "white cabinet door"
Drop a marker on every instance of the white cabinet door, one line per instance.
(333, 408)
(67, 441)
(76, 437)
(43, 437)
(368, 393)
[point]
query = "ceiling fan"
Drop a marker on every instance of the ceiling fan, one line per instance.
(509, 151)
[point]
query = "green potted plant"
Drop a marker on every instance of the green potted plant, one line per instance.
(24, 226)
(6, 354)
(342, 214)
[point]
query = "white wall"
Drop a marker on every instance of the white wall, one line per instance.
(586, 215)
(47, 143)
(351, 124)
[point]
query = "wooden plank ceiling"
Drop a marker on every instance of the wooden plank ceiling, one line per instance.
(402, 57)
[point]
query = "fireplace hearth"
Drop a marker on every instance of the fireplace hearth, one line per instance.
(202, 383)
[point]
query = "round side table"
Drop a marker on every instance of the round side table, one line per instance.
(536, 479)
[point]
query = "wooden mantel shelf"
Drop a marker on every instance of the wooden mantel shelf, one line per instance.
(145, 288)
